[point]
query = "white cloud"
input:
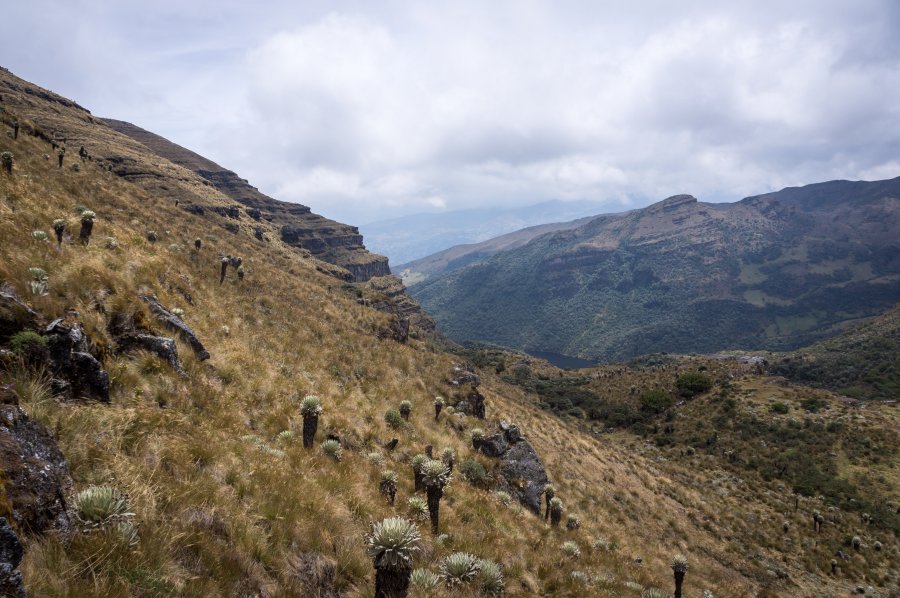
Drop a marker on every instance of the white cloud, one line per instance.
(364, 110)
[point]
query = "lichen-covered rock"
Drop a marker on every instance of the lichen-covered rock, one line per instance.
(10, 557)
(161, 346)
(494, 445)
(464, 375)
(177, 325)
(521, 473)
(34, 471)
(79, 374)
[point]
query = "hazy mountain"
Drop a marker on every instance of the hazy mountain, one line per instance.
(411, 237)
(775, 271)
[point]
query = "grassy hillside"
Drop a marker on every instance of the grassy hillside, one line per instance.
(773, 272)
(862, 363)
(227, 503)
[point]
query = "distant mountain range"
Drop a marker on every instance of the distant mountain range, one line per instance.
(774, 271)
(411, 237)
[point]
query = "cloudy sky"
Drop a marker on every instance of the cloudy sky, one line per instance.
(366, 110)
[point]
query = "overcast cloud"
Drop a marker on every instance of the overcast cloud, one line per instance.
(365, 110)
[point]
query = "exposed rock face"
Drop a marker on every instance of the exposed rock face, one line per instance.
(522, 474)
(129, 338)
(15, 316)
(10, 557)
(35, 476)
(519, 471)
(395, 300)
(326, 239)
(464, 375)
(177, 325)
(79, 374)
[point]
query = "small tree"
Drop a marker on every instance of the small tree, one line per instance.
(87, 226)
(310, 409)
(679, 568)
(438, 406)
(435, 476)
(391, 545)
(59, 227)
(388, 485)
(7, 159)
(549, 493)
(556, 511)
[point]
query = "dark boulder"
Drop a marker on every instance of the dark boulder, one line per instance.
(10, 556)
(177, 325)
(78, 374)
(512, 432)
(15, 316)
(464, 375)
(522, 475)
(161, 346)
(494, 445)
(34, 472)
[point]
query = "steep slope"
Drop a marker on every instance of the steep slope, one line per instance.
(225, 499)
(463, 255)
(775, 271)
(326, 239)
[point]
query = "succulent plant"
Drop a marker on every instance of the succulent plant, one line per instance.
(59, 227)
(477, 437)
(580, 577)
(571, 549)
(310, 409)
(448, 456)
(877, 546)
(424, 579)
(435, 476)
(438, 405)
(459, 568)
(856, 542)
(573, 521)
(332, 448)
(375, 457)
(417, 507)
(679, 568)
(654, 593)
(549, 493)
(286, 436)
(111, 243)
(503, 497)
(391, 545)
(556, 509)
(388, 485)
(490, 577)
(97, 505)
(39, 235)
(7, 159)
(177, 312)
(87, 226)
(405, 409)
(39, 283)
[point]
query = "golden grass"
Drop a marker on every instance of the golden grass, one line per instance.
(221, 515)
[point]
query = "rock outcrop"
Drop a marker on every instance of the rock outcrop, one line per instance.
(177, 325)
(77, 373)
(10, 556)
(15, 315)
(34, 474)
(129, 337)
(519, 470)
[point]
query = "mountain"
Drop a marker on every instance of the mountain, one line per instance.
(463, 255)
(775, 271)
(153, 414)
(415, 236)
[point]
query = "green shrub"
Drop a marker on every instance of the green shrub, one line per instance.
(25, 342)
(691, 384)
(393, 418)
(812, 404)
(655, 401)
(779, 407)
(475, 473)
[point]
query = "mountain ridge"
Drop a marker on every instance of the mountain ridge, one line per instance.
(769, 271)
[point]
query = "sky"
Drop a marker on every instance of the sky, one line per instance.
(370, 110)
